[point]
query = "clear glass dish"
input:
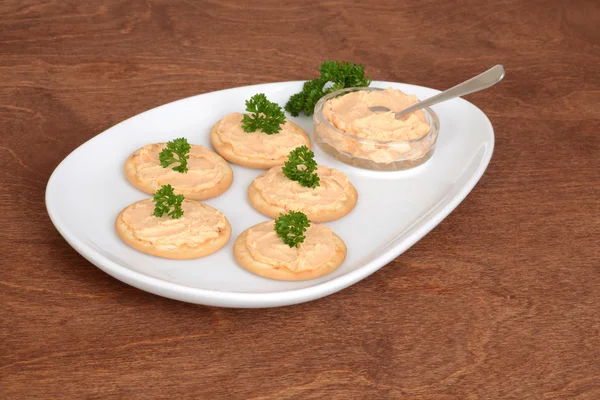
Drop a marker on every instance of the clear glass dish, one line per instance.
(372, 154)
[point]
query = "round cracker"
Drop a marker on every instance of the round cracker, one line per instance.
(226, 150)
(244, 258)
(273, 211)
(183, 252)
(150, 188)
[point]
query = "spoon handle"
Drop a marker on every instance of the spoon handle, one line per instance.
(475, 84)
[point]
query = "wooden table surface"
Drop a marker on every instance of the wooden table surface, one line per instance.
(500, 301)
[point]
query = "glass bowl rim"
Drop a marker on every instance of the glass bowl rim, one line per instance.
(433, 127)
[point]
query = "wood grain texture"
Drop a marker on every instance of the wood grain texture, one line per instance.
(500, 301)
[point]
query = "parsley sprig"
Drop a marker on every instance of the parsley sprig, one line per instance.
(167, 202)
(340, 74)
(179, 147)
(301, 166)
(290, 227)
(266, 115)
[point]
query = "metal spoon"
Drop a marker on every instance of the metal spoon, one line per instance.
(482, 81)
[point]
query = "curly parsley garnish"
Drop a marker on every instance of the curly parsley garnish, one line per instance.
(266, 115)
(340, 74)
(179, 147)
(301, 166)
(166, 200)
(290, 227)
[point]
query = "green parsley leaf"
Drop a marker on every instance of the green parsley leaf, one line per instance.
(290, 227)
(340, 74)
(179, 147)
(301, 166)
(266, 115)
(343, 75)
(166, 200)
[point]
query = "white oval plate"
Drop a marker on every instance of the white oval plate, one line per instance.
(395, 209)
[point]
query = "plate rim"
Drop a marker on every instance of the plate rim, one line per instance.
(211, 297)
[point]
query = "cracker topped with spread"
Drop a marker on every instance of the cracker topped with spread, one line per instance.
(261, 139)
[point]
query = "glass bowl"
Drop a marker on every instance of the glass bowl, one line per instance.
(372, 154)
